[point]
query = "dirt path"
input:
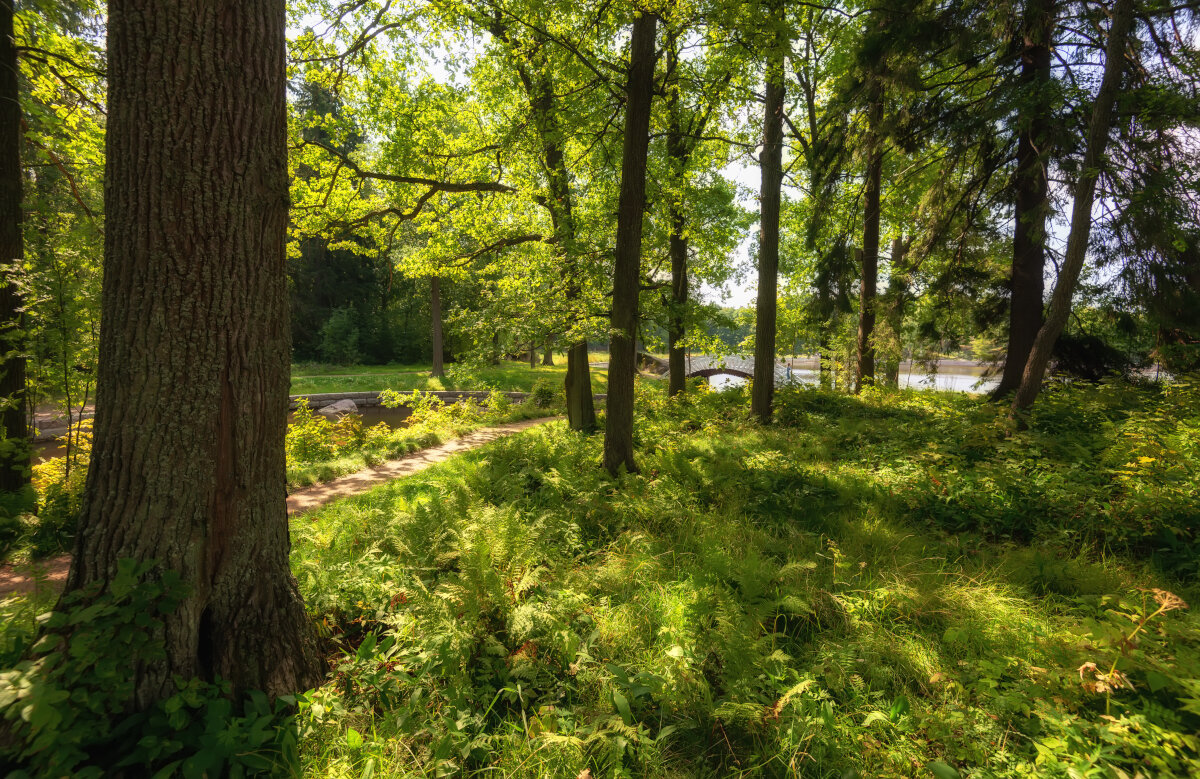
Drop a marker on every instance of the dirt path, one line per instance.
(50, 574)
(318, 495)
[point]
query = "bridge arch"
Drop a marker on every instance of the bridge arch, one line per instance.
(708, 372)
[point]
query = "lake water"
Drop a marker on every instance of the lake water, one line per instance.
(956, 379)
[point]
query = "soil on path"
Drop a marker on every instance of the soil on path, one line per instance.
(50, 574)
(318, 495)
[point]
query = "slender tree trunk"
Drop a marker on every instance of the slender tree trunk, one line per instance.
(897, 296)
(188, 463)
(1081, 212)
(581, 410)
(435, 318)
(533, 354)
(577, 385)
(618, 433)
(14, 463)
(679, 151)
(677, 382)
(762, 389)
(865, 372)
(1032, 201)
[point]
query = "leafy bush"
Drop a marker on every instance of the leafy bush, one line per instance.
(15, 511)
(546, 393)
(339, 338)
(309, 436)
(64, 710)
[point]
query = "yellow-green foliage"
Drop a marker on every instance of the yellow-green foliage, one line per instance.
(820, 598)
(319, 449)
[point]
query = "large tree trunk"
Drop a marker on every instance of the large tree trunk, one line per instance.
(435, 318)
(1081, 212)
(1032, 201)
(762, 389)
(188, 464)
(548, 352)
(618, 432)
(865, 372)
(14, 462)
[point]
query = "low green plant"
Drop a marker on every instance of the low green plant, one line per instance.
(65, 707)
(813, 598)
(309, 436)
(319, 450)
(546, 393)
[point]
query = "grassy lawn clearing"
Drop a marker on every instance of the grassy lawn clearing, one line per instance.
(898, 585)
(506, 377)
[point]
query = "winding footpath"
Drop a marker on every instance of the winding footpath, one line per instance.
(30, 577)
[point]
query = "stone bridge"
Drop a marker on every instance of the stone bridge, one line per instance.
(734, 365)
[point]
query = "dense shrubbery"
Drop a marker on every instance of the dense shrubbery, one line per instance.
(1110, 466)
(820, 598)
(319, 449)
(64, 701)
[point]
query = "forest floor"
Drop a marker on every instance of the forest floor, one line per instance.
(900, 584)
(50, 574)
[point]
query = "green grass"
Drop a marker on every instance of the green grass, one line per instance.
(507, 377)
(899, 585)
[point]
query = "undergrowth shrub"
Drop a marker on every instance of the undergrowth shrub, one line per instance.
(546, 393)
(59, 484)
(1112, 465)
(318, 449)
(64, 707)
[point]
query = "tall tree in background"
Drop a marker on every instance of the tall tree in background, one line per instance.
(14, 451)
(693, 95)
(188, 461)
(762, 390)
(873, 146)
(435, 318)
(618, 433)
(1031, 204)
(1081, 211)
(538, 79)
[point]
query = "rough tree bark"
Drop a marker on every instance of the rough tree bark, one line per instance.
(762, 389)
(14, 462)
(618, 432)
(548, 352)
(865, 372)
(539, 88)
(1081, 211)
(1032, 196)
(188, 462)
(435, 318)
